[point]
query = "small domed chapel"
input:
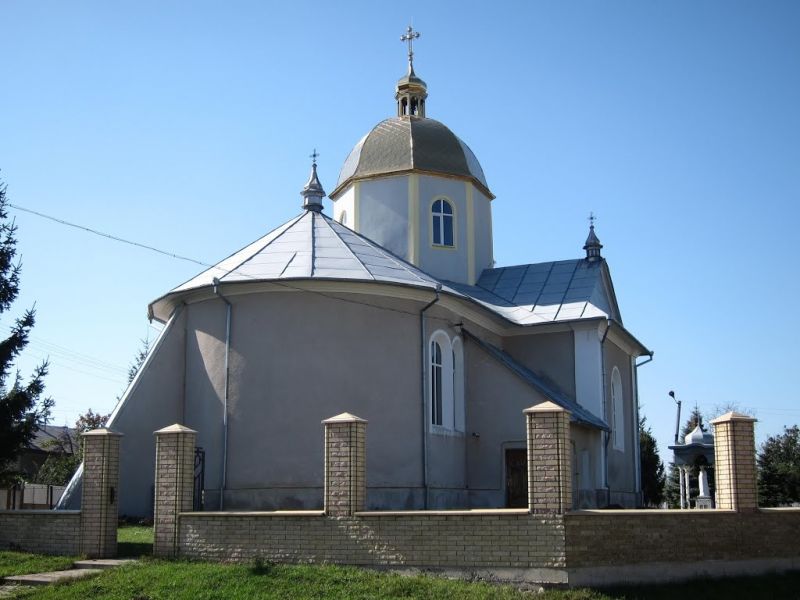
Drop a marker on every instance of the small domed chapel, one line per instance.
(391, 309)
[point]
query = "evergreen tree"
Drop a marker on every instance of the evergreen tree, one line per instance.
(652, 467)
(779, 469)
(22, 407)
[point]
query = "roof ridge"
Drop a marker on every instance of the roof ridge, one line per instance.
(389, 254)
(329, 222)
(260, 250)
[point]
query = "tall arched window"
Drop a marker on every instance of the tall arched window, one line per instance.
(343, 218)
(617, 410)
(441, 380)
(436, 383)
(442, 215)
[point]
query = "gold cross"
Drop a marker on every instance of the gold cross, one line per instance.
(409, 36)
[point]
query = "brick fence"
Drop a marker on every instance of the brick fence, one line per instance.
(91, 531)
(545, 543)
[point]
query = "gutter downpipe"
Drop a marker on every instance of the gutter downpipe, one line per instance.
(224, 475)
(606, 435)
(423, 346)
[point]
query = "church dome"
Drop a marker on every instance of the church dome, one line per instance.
(402, 144)
(696, 436)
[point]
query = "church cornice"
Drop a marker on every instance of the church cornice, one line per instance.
(384, 175)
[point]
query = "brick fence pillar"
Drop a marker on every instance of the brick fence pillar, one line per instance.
(735, 462)
(345, 465)
(100, 495)
(174, 485)
(549, 457)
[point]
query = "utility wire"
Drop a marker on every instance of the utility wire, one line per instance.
(108, 235)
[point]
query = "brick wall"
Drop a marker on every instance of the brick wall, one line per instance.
(452, 539)
(660, 539)
(42, 531)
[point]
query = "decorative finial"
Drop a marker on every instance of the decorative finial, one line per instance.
(592, 245)
(409, 36)
(312, 192)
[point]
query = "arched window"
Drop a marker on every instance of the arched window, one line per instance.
(343, 218)
(617, 410)
(442, 215)
(436, 383)
(441, 380)
(458, 386)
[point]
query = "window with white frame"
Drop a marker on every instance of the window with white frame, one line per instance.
(437, 384)
(442, 223)
(441, 380)
(617, 410)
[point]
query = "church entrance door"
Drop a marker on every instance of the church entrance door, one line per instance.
(516, 478)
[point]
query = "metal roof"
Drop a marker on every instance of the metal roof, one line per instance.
(548, 292)
(404, 143)
(310, 246)
(578, 413)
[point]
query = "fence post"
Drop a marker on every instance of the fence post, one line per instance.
(345, 465)
(174, 485)
(549, 458)
(735, 462)
(100, 495)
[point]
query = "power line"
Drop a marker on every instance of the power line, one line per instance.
(108, 235)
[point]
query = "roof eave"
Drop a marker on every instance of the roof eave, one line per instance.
(367, 176)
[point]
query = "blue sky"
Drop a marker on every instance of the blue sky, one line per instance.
(187, 126)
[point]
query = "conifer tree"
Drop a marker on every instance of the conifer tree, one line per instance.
(23, 409)
(652, 467)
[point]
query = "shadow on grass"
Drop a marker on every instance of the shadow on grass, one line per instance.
(133, 549)
(262, 568)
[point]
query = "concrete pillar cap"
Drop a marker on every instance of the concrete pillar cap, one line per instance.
(176, 428)
(345, 417)
(102, 431)
(733, 416)
(546, 406)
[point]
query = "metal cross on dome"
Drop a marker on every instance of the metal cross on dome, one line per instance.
(592, 219)
(409, 36)
(314, 156)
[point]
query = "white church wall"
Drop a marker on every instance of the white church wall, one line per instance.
(205, 377)
(154, 401)
(443, 262)
(589, 367)
(585, 464)
(383, 212)
(622, 465)
(298, 358)
(484, 252)
(344, 207)
(550, 355)
(495, 400)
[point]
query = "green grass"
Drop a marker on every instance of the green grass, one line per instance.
(161, 580)
(134, 541)
(22, 563)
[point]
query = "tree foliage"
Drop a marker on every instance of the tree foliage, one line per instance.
(779, 469)
(652, 467)
(65, 454)
(138, 360)
(23, 408)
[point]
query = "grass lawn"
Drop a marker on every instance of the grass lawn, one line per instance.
(134, 541)
(156, 580)
(22, 563)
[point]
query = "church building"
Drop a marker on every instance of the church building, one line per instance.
(391, 309)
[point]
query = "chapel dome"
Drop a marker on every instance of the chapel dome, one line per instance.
(402, 144)
(696, 436)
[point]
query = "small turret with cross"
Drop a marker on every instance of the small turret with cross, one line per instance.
(312, 192)
(592, 245)
(411, 90)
